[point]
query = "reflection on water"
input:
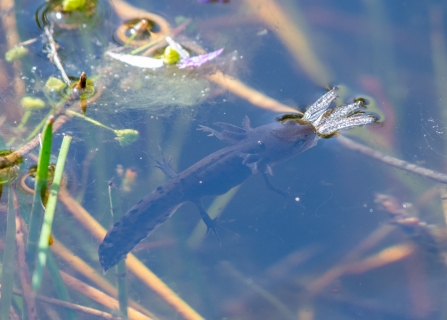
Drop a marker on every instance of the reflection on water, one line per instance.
(364, 241)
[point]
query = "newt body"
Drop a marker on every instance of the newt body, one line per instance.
(251, 151)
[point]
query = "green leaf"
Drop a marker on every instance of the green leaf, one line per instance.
(15, 53)
(49, 214)
(32, 103)
(40, 189)
(72, 5)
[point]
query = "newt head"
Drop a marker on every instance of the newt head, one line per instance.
(328, 122)
(298, 133)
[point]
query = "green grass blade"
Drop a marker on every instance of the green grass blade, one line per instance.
(49, 214)
(8, 260)
(121, 266)
(61, 289)
(39, 190)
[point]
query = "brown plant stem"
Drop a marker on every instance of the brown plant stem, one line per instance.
(99, 296)
(392, 161)
(83, 268)
(71, 306)
(251, 95)
(25, 279)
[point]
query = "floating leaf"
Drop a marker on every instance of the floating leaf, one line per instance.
(32, 103)
(137, 61)
(197, 61)
(72, 5)
(15, 53)
(54, 84)
(126, 136)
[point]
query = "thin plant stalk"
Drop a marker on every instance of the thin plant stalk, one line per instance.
(8, 261)
(49, 213)
(71, 306)
(40, 189)
(99, 124)
(23, 271)
(99, 296)
(61, 289)
(115, 210)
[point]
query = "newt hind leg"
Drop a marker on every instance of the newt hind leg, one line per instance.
(165, 164)
(210, 223)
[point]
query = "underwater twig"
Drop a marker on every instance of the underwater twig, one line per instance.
(317, 286)
(384, 257)
(23, 270)
(9, 28)
(87, 271)
(71, 306)
(99, 296)
(145, 275)
(392, 161)
(54, 57)
(49, 213)
(251, 95)
(8, 269)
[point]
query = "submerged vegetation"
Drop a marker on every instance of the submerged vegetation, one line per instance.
(90, 90)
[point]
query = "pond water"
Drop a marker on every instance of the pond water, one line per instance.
(359, 238)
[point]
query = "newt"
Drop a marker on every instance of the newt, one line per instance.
(251, 151)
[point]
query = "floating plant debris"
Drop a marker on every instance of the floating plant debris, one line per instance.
(173, 54)
(54, 84)
(32, 103)
(15, 53)
(197, 61)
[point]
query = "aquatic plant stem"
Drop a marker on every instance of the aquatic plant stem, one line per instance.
(23, 270)
(49, 214)
(87, 271)
(97, 123)
(61, 289)
(40, 189)
(392, 161)
(99, 296)
(17, 85)
(54, 57)
(71, 306)
(115, 210)
(251, 95)
(8, 269)
(133, 264)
